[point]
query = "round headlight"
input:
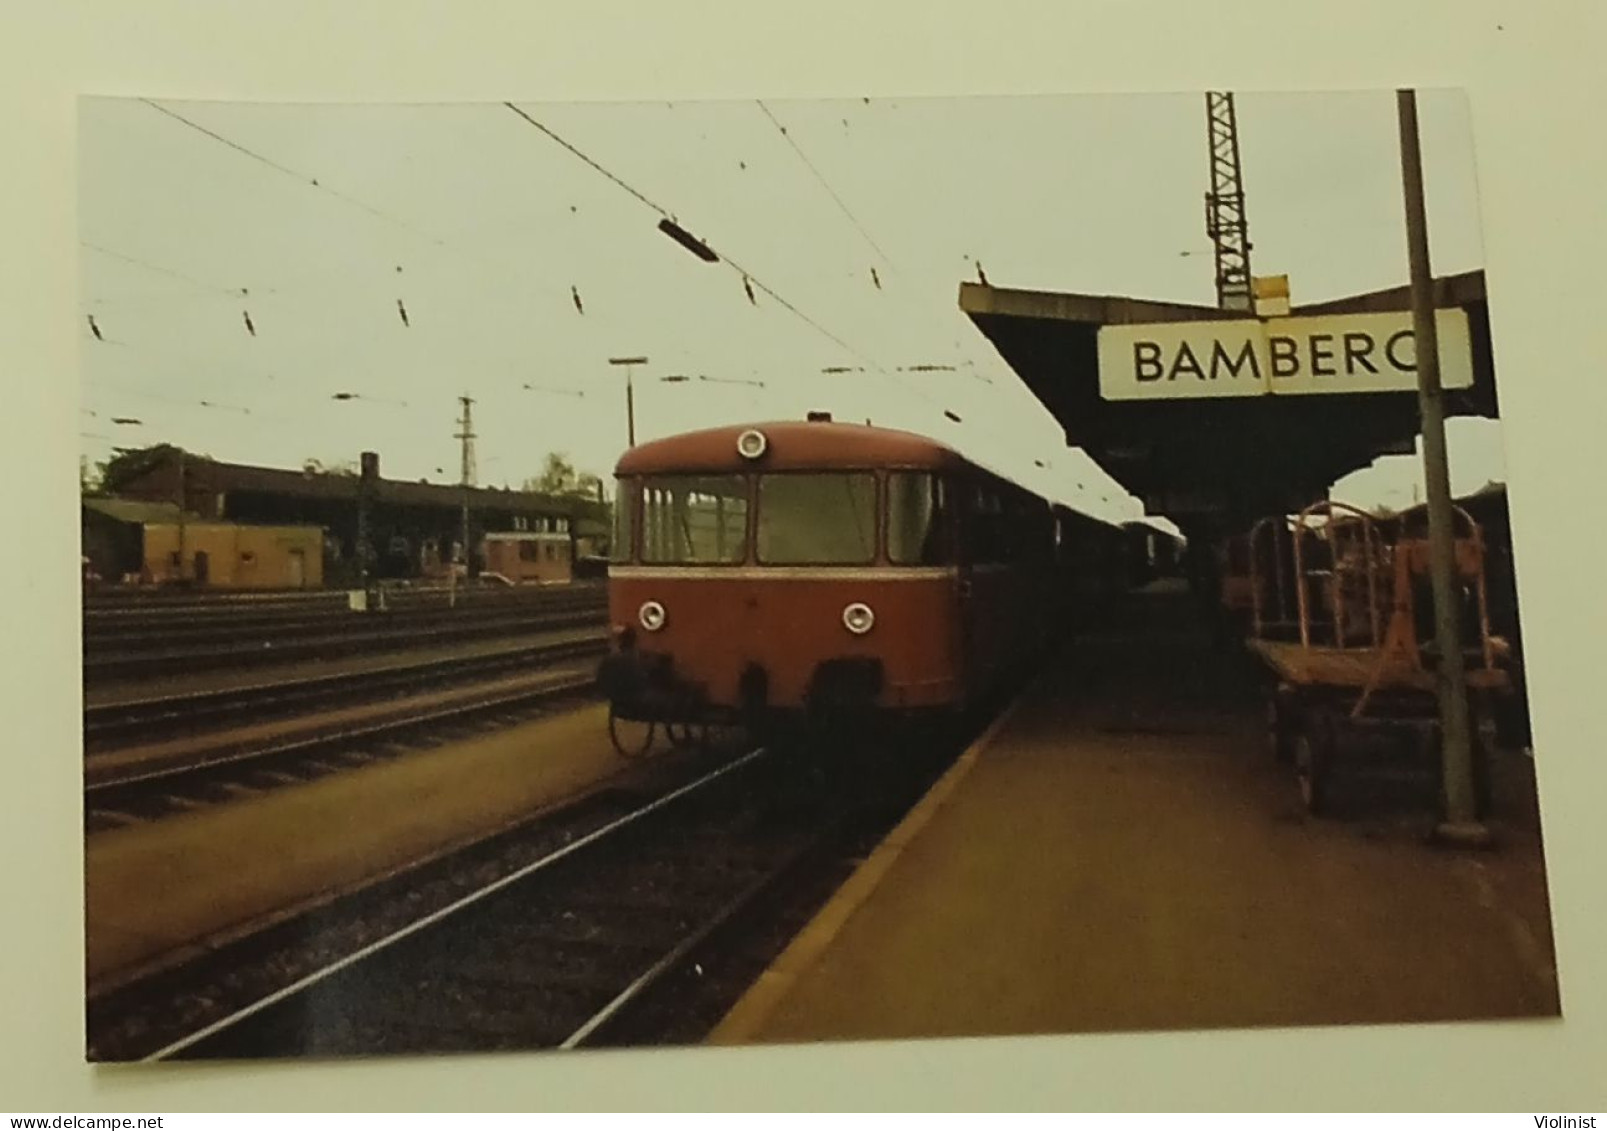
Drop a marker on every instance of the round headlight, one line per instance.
(652, 616)
(751, 444)
(858, 619)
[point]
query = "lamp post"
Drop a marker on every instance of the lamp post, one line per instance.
(1461, 823)
(630, 364)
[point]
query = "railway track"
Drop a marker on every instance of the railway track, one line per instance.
(118, 794)
(113, 603)
(328, 636)
(114, 724)
(633, 916)
(115, 625)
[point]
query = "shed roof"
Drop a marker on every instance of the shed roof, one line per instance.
(1215, 460)
(223, 476)
(133, 510)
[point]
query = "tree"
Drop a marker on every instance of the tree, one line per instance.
(557, 476)
(589, 486)
(131, 463)
(345, 468)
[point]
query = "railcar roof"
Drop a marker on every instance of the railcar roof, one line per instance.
(792, 446)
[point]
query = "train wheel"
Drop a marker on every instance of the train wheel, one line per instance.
(632, 740)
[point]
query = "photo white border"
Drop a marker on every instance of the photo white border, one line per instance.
(1536, 86)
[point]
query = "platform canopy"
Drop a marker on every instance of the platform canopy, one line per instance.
(1206, 461)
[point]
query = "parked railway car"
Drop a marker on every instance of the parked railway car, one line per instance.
(819, 569)
(1092, 566)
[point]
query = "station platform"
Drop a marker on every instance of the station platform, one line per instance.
(1120, 852)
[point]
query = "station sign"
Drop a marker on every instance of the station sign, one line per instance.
(1337, 353)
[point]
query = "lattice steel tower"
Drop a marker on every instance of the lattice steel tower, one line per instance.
(466, 435)
(1225, 220)
(466, 480)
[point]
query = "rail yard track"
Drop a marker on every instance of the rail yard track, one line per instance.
(637, 908)
(147, 645)
(152, 717)
(117, 795)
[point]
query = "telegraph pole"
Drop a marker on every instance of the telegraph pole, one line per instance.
(1461, 823)
(466, 435)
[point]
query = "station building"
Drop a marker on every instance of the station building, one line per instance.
(529, 556)
(128, 540)
(415, 528)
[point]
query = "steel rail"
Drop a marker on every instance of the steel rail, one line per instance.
(413, 928)
(325, 743)
(119, 718)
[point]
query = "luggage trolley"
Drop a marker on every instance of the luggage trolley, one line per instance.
(1342, 615)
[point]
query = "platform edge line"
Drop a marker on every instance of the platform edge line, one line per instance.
(761, 1000)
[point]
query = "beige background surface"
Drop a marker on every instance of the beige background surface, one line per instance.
(1533, 74)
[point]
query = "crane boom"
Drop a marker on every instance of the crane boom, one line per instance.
(1225, 221)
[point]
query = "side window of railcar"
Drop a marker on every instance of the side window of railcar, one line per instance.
(817, 519)
(622, 547)
(692, 519)
(986, 530)
(917, 519)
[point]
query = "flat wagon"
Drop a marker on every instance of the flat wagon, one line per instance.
(1342, 616)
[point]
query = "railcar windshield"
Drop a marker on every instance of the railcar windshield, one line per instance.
(917, 524)
(817, 519)
(694, 519)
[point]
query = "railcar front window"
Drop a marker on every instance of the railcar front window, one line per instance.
(817, 519)
(692, 519)
(917, 526)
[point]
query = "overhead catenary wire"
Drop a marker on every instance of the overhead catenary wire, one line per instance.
(162, 398)
(749, 278)
(402, 313)
(294, 174)
(825, 184)
(147, 265)
(660, 209)
(864, 232)
(665, 213)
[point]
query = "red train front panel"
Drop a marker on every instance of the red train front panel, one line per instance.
(718, 626)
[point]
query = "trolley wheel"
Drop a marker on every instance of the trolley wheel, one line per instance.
(1280, 723)
(686, 736)
(1313, 758)
(632, 740)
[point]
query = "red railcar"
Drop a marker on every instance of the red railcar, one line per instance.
(790, 569)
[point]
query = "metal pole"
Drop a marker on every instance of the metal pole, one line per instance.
(367, 487)
(630, 364)
(183, 497)
(1461, 821)
(466, 478)
(630, 408)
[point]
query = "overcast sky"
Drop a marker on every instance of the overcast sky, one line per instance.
(486, 229)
